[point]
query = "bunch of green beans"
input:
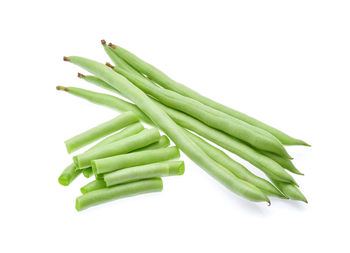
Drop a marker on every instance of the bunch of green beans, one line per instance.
(142, 147)
(174, 108)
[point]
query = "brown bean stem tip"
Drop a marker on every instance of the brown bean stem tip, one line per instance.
(103, 42)
(80, 75)
(65, 58)
(111, 45)
(109, 65)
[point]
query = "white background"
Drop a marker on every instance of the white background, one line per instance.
(283, 62)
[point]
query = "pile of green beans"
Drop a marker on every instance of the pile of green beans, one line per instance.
(185, 116)
(144, 158)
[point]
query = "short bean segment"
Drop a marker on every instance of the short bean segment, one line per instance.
(130, 174)
(103, 195)
(165, 81)
(68, 175)
(102, 166)
(175, 132)
(254, 136)
(93, 186)
(128, 144)
(87, 172)
(162, 143)
(100, 131)
(237, 147)
(236, 168)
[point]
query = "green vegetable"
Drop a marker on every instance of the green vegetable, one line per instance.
(102, 166)
(139, 140)
(162, 169)
(163, 80)
(291, 191)
(87, 172)
(68, 175)
(167, 125)
(162, 143)
(236, 168)
(254, 136)
(262, 162)
(285, 163)
(100, 131)
(93, 186)
(119, 191)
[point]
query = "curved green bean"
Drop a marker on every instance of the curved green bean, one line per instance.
(119, 191)
(254, 136)
(139, 140)
(165, 81)
(166, 124)
(162, 169)
(105, 165)
(100, 131)
(93, 186)
(68, 175)
(262, 162)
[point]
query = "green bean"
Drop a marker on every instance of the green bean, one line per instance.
(94, 80)
(105, 165)
(162, 143)
(139, 140)
(254, 136)
(163, 169)
(93, 186)
(119, 191)
(249, 154)
(163, 80)
(87, 172)
(68, 175)
(285, 163)
(100, 131)
(235, 167)
(167, 125)
(291, 191)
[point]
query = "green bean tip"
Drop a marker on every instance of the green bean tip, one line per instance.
(109, 65)
(63, 181)
(61, 88)
(103, 42)
(80, 75)
(111, 45)
(65, 58)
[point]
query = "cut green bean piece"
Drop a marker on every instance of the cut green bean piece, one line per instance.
(163, 169)
(165, 81)
(100, 131)
(266, 164)
(102, 166)
(87, 172)
(119, 191)
(235, 167)
(256, 137)
(169, 127)
(162, 143)
(285, 163)
(68, 175)
(93, 186)
(128, 144)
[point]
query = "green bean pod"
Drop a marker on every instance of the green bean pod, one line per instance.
(128, 144)
(285, 163)
(68, 175)
(100, 131)
(290, 190)
(165, 81)
(87, 172)
(249, 154)
(162, 169)
(254, 136)
(167, 125)
(106, 165)
(162, 143)
(235, 167)
(119, 191)
(93, 186)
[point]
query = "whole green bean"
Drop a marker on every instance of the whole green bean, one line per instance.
(162, 143)
(262, 162)
(87, 172)
(163, 169)
(93, 186)
(100, 131)
(105, 165)
(285, 163)
(68, 175)
(254, 136)
(166, 124)
(165, 81)
(119, 191)
(139, 140)
(235, 167)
